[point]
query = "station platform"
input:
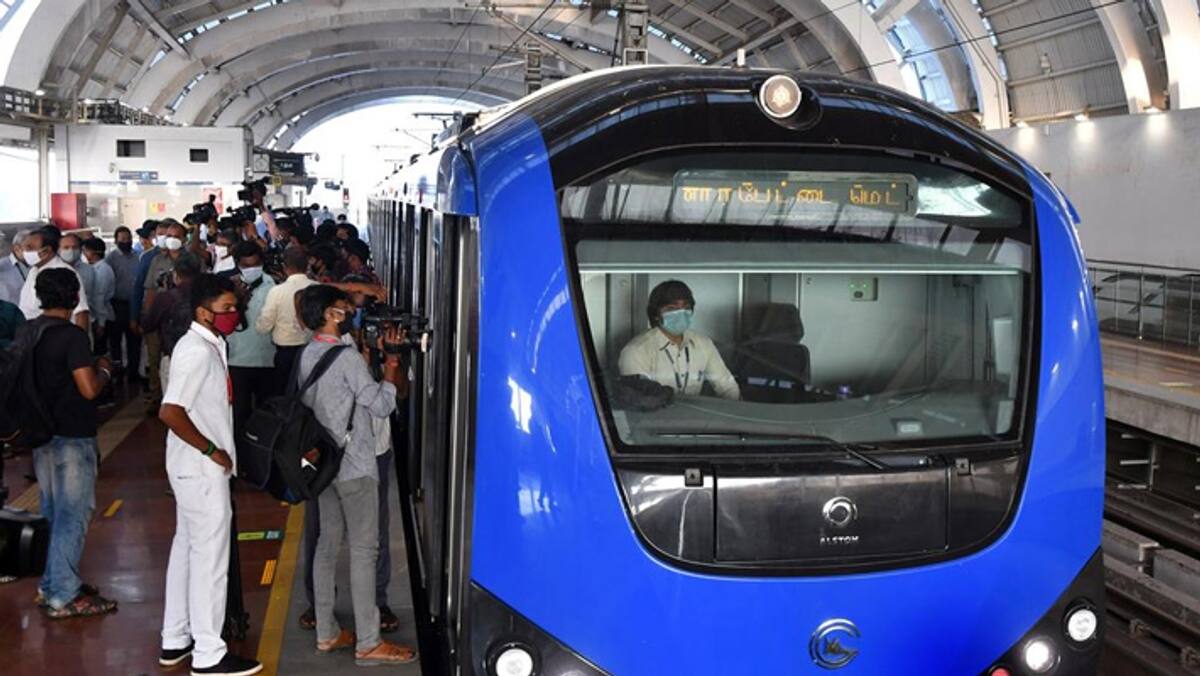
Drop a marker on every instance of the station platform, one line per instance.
(126, 556)
(1153, 387)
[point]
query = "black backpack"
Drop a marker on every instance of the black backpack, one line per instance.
(25, 420)
(280, 432)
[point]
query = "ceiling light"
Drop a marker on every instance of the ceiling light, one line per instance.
(1153, 110)
(1081, 116)
(39, 92)
(1022, 124)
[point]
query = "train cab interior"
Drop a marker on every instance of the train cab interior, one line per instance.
(856, 324)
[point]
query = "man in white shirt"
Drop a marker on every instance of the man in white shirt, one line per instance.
(13, 269)
(197, 409)
(670, 353)
(41, 253)
(278, 316)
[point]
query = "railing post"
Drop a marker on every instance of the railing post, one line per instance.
(1191, 308)
(1140, 301)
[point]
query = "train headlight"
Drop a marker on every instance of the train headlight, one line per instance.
(780, 96)
(1040, 655)
(1082, 624)
(513, 659)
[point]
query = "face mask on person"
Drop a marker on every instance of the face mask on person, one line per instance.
(226, 322)
(125, 247)
(676, 322)
(69, 255)
(252, 275)
(222, 251)
(173, 243)
(160, 240)
(32, 258)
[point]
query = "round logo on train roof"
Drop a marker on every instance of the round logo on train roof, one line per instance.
(780, 96)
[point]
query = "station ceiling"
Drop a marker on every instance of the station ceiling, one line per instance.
(282, 66)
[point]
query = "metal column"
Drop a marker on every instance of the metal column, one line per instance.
(41, 135)
(634, 21)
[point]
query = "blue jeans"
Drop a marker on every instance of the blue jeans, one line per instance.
(66, 474)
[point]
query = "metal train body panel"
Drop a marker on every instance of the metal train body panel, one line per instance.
(551, 538)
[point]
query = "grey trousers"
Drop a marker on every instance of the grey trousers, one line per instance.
(383, 567)
(350, 509)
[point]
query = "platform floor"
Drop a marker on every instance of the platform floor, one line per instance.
(1153, 387)
(126, 556)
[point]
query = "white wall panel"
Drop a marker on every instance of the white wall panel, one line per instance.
(1131, 177)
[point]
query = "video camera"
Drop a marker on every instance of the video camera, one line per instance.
(204, 211)
(379, 316)
(252, 189)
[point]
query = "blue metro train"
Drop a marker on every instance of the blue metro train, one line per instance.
(744, 372)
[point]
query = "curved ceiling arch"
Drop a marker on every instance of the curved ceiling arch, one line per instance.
(265, 92)
(239, 40)
(510, 89)
(212, 93)
(317, 115)
(270, 121)
(1044, 65)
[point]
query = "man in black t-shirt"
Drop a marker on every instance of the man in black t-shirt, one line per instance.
(67, 384)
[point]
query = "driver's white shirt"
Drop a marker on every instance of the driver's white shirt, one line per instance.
(684, 367)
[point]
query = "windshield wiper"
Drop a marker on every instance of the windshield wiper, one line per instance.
(741, 435)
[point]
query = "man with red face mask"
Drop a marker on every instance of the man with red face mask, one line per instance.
(198, 409)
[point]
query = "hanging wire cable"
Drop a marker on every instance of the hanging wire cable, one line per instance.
(454, 49)
(505, 52)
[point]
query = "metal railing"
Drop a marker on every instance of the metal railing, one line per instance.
(1147, 302)
(24, 107)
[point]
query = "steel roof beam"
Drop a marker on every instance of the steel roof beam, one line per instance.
(85, 74)
(690, 7)
(1135, 56)
(991, 90)
(160, 30)
(1179, 26)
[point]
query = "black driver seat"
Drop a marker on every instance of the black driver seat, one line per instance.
(770, 363)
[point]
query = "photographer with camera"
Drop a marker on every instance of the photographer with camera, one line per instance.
(278, 316)
(346, 400)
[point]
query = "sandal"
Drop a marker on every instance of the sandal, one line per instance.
(388, 622)
(385, 653)
(85, 589)
(308, 619)
(344, 640)
(83, 606)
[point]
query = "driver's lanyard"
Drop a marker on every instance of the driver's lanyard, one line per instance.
(680, 383)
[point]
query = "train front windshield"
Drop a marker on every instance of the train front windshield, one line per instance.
(801, 298)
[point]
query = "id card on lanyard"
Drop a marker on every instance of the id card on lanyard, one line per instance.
(680, 383)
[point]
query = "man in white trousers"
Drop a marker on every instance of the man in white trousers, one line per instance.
(198, 410)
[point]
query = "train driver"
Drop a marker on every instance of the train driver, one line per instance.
(672, 354)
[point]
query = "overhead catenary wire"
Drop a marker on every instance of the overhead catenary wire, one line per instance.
(505, 51)
(454, 49)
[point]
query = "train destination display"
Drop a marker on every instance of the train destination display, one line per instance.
(775, 197)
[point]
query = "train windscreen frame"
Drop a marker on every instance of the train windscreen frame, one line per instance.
(854, 299)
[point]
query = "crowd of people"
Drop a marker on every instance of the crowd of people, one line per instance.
(224, 313)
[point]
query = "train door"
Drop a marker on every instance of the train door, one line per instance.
(439, 290)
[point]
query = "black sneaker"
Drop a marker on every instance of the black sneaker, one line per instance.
(169, 658)
(230, 665)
